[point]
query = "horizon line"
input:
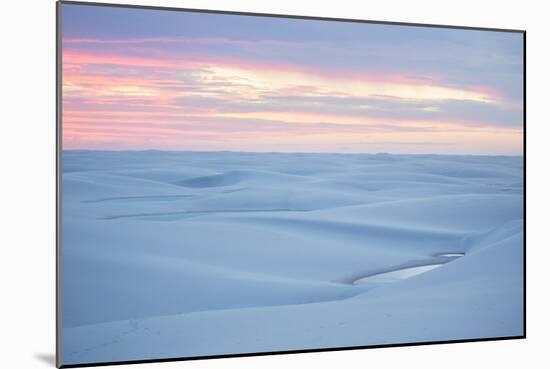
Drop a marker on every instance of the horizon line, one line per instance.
(286, 152)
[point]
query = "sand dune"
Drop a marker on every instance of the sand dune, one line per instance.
(169, 254)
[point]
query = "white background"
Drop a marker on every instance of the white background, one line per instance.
(27, 182)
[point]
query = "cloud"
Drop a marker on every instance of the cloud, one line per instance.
(173, 80)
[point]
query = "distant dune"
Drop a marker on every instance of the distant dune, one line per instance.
(169, 254)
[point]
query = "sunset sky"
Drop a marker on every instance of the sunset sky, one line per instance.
(138, 79)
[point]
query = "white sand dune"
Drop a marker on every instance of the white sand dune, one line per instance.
(169, 254)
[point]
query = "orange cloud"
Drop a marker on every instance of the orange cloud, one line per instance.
(148, 114)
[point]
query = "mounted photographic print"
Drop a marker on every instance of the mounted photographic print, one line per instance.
(238, 184)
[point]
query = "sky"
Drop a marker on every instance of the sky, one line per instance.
(135, 79)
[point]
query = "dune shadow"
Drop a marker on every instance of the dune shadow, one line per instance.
(139, 198)
(174, 215)
(217, 180)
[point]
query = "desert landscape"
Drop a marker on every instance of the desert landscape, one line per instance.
(178, 254)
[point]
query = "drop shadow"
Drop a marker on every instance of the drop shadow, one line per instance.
(46, 358)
